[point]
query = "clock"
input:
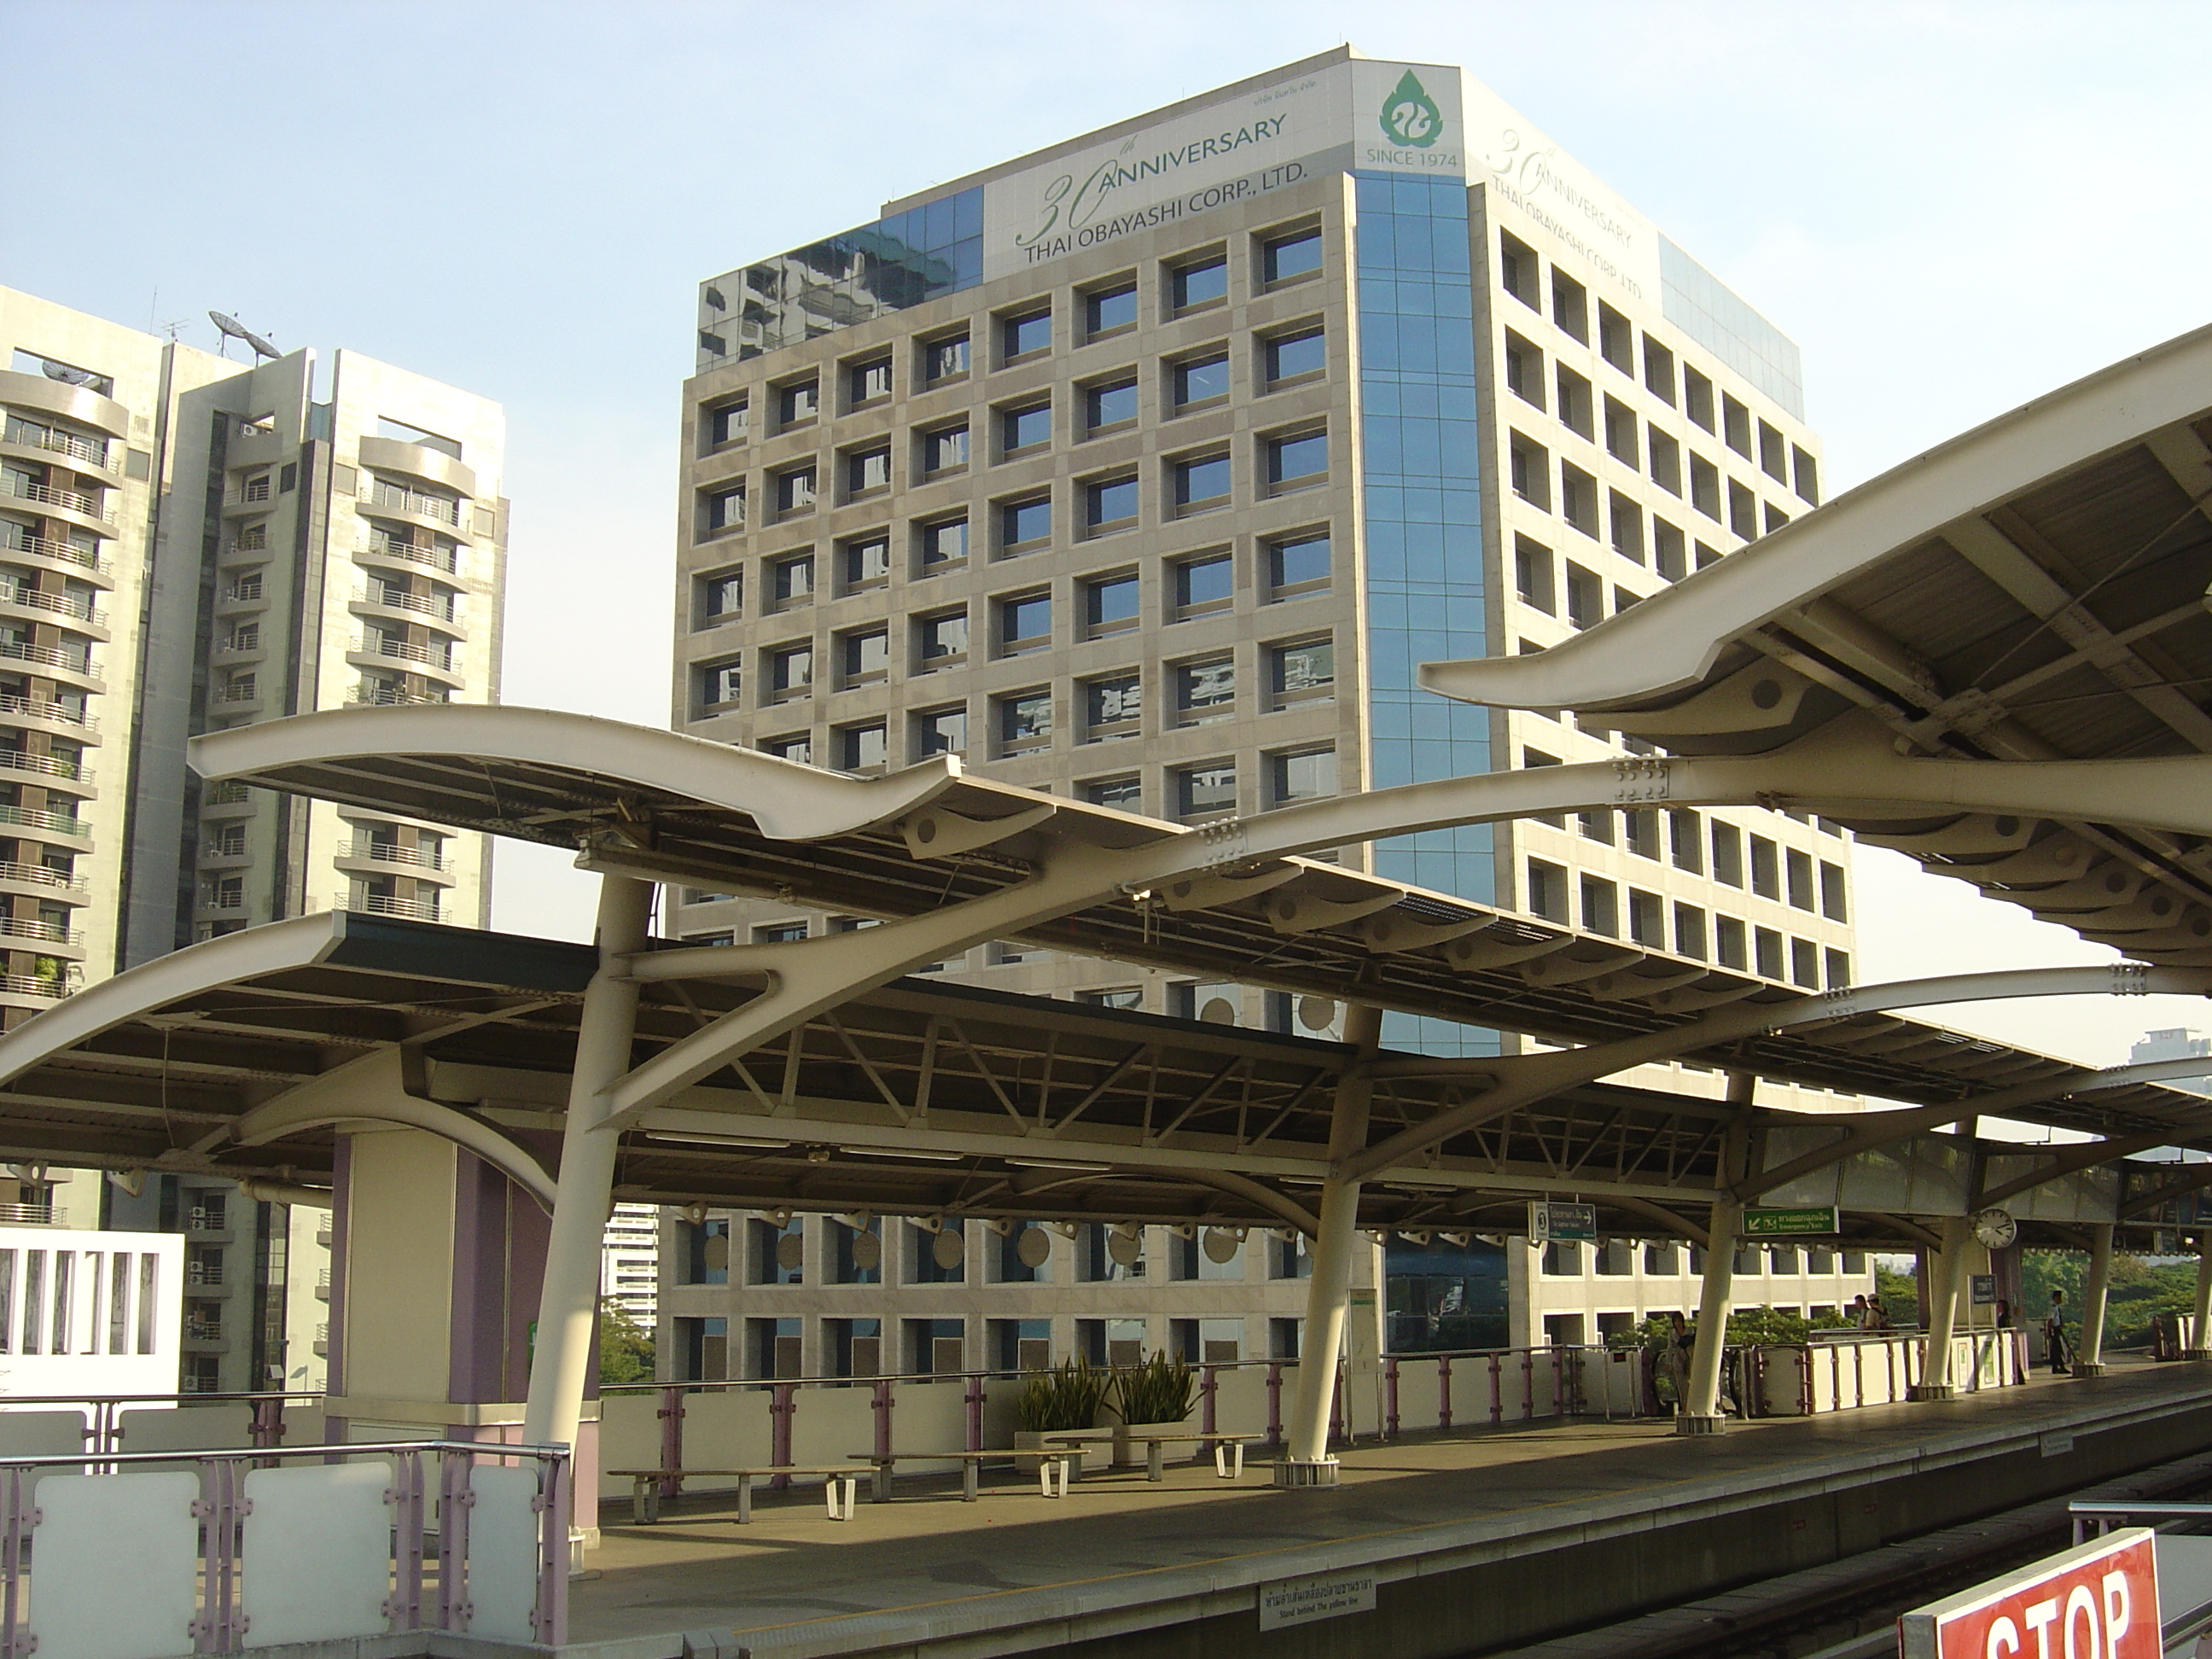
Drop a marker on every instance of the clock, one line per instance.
(1996, 1229)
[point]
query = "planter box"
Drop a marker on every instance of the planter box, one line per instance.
(1129, 1445)
(1030, 1440)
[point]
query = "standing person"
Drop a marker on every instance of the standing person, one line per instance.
(2054, 1333)
(2004, 1315)
(1674, 1368)
(1864, 1314)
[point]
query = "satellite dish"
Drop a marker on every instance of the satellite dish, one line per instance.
(1034, 1248)
(1316, 1012)
(1126, 1248)
(231, 328)
(1222, 1244)
(261, 347)
(948, 1249)
(1996, 1229)
(72, 376)
(1218, 1011)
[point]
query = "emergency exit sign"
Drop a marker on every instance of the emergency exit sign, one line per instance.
(2099, 1598)
(1781, 1224)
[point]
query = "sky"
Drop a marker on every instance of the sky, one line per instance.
(1951, 209)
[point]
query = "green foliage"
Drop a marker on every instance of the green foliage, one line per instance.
(1898, 1294)
(1746, 1327)
(2140, 1291)
(625, 1348)
(1063, 1398)
(1157, 1389)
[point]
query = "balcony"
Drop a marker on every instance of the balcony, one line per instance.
(93, 452)
(208, 1218)
(203, 1330)
(33, 1215)
(37, 875)
(323, 1286)
(45, 933)
(32, 818)
(379, 904)
(396, 498)
(421, 604)
(389, 697)
(205, 1276)
(224, 794)
(15, 760)
(41, 709)
(44, 547)
(385, 852)
(34, 985)
(55, 605)
(49, 656)
(68, 500)
(433, 558)
(322, 1341)
(440, 659)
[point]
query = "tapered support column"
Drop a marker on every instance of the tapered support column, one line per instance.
(1701, 1392)
(567, 1306)
(2198, 1348)
(1306, 1460)
(1949, 1270)
(2089, 1361)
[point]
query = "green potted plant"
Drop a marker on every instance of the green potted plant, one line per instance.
(1063, 1400)
(1154, 1396)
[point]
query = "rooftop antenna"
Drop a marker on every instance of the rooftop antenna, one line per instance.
(229, 328)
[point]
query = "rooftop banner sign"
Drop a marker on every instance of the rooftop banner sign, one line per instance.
(1375, 117)
(2096, 1600)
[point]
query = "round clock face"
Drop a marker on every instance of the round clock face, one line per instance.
(1996, 1229)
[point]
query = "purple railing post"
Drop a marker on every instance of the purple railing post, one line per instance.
(215, 1630)
(1443, 1392)
(975, 1401)
(1529, 1384)
(1496, 1389)
(782, 1405)
(671, 1443)
(404, 1495)
(1274, 1402)
(885, 1403)
(1209, 1385)
(1390, 1397)
(550, 1619)
(11, 1569)
(455, 1495)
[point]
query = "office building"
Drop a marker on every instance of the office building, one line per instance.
(190, 542)
(1148, 468)
(2174, 1043)
(629, 1262)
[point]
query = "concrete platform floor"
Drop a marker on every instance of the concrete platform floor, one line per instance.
(927, 1567)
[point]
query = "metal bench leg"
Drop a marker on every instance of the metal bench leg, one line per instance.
(1052, 1476)
(745, 1500)
(883, 1483)
(842, 1492)
(1237, 1461)
(968, 1467)
(637, 1503)
(1221, 1460)
(1155, 1468)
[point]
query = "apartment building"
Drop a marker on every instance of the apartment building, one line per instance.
(629, 1262)
(1148, 468)
(190, 542)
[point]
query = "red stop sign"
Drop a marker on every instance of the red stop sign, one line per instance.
(2097, 1600)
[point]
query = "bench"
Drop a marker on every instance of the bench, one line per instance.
(1054, 1468)
(839, 1489)
(1228, 1451)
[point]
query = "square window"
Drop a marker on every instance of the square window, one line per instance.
(1200, 380)
(943, 358)
(1025, 524)
(867, 560)
(1303, 671)
(794, 490)
(1529, 467)
(940, 732)
(1524, 370)
(945, 447)
(866, 382)
(1110, 603)
(1697, 398)
(1666, 461)
(728, 423)
(1298, 564)
(1519, 271)
(1206, 789)
(1304, 775)
(792, 579)
(1575, 402)
(1124, 794)
(1600, 907)
(721, 596)
(1536, 576)
(1114, 706)
(1205, 691)
(1111, 503)
(860, 747)
(725, 509)
(1025, 622)
(1025, 721)
(1616, 341)
(1108, 310)
(944, 542)
(797, 748)
(1027, 426)
(1297, 356)
(720, 684)
(868, 469)
(797, 402)
(942, 637)
(790, 670)
(1025, 333)
(867, 655)
(1729, 943)
(1198, 281)
(1659, 371)
(1202, 482)
(1110, 404)
(1297, 254)
(1569, 306)
(1207, 584)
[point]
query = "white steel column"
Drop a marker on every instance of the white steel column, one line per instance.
(1699, 1412)
(2089, 1359)
(1936, 1382)
(568, 1303)
(1307, 1461)
(2197, 1348)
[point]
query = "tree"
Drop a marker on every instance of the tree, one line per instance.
(625, 1348)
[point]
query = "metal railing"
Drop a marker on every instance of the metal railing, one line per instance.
(57, 604)
(435, 558)
(203, 1272)
(48, 656)
(31, 985)
(33, 1215)
(2094, 1517)
(379, 904)
(16, 760)
(400, 499)
(241, 690)
(380, 645)
(44, 547)
(93, 452)
(49, 933)
(47, 496)
(500, 1515)
(422, 605)
(45, 710)
(385, 852)
(391, 696)
(38, 875)
(34, 818)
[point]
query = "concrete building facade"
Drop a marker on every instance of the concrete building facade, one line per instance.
(1148, 467)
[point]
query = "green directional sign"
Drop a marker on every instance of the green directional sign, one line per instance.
(1783, 1224)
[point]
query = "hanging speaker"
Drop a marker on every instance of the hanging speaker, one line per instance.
(791, 1252)
(1126, 1248)
(1221, 1245)
(868, 1251)
(948, 1249)
(1034, 1248)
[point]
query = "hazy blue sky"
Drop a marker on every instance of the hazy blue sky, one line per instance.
(1952, 208)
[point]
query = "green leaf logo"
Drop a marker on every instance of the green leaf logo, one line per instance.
(1410, 116)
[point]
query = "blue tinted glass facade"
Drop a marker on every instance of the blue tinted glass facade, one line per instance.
(1420, 472)
(926, 251)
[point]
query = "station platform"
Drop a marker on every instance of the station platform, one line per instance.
(1474, 1541)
